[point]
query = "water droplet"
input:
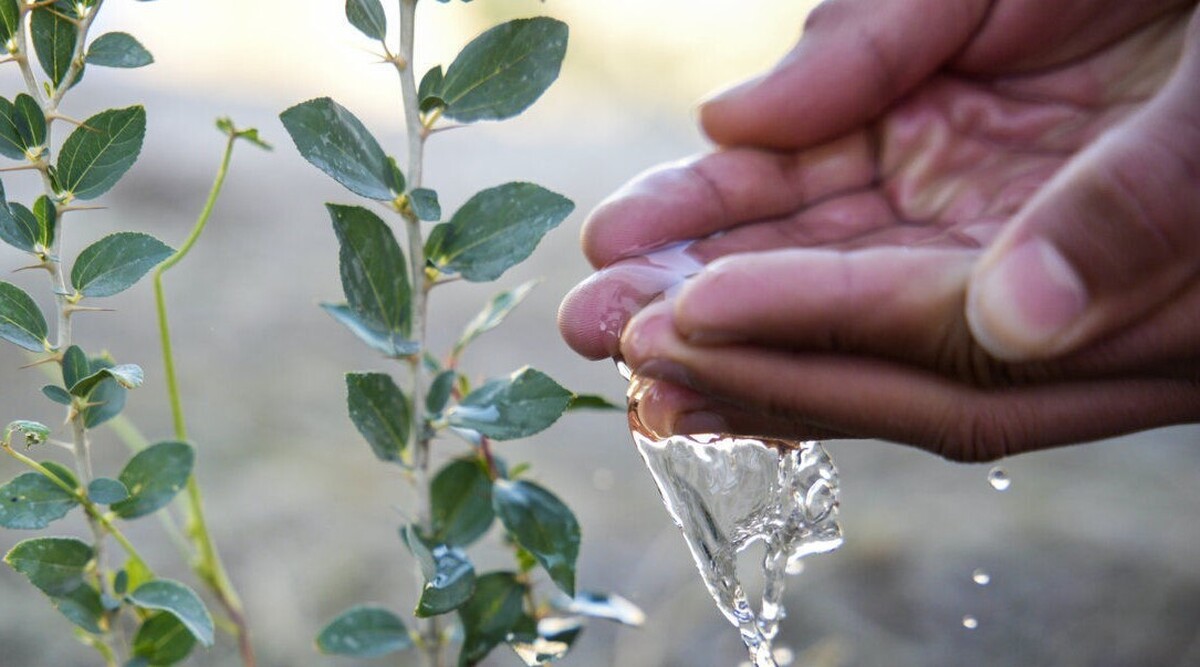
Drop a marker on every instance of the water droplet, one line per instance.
(970, 622)
(981, 577)
(999, 479)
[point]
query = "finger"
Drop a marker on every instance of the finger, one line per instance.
(666, 409)
(900, 303)
(856, 57)
(875, 398)
(718, 191)
(1112, 237)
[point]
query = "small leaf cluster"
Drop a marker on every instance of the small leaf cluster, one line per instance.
(496, 76)
(167, 619)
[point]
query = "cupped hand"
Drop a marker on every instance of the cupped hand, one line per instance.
(973, 227)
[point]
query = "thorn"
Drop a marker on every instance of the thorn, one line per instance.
(84, 207)
(43, 265)
(20, 167)
(88, 309)
(58, 116)
(47, 360)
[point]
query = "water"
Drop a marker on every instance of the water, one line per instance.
(981, 577)
(999, 479)
(970, 622)
(727, 493)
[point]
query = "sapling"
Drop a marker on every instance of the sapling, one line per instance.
(127, 613)
(388, 288)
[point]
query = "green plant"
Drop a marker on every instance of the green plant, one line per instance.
(126, 613)
(387, 289)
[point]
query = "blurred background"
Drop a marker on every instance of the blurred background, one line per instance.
(1093, 552)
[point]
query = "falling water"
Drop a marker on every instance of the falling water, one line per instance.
(727, 493)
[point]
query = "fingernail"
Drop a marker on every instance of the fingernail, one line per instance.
(662, 369)
(1021, 306)
(700, 422)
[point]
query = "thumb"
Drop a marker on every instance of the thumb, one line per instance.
(856, 57)
(1110, 238)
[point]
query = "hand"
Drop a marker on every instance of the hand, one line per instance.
(973, 227)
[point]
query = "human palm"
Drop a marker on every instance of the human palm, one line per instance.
(865, 179)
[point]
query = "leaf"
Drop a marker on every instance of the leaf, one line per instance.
(181, 602)
(494, 313)
(496, 230)
(391, 344)
(18, 226)
(364, 632)
(31, 501)
(592, 402)
(430, 91)
(541, 524)
(117, 261)
(490, 615)
(449, 575)
(83, 607)
(517, 406)
(154, 476)
(54, 564)
(504, 70)
(62, 472)
(34, 433)
(461, 503)
(163, 639)
(607, 606)
(425, 204)
(9, 19)
(118, 49)
(54, 38)
(47, 219)
(439, 391)
(374, 273)
(75, 366)
(337, 143)
(22, 127)
(106, 491)
(21, 321)
(97, 154)
(106, 400)
(57, 394)
(380, 412)
(129, 376)
(368, 17)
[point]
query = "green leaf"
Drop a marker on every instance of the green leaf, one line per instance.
(181, 602)
(47, 219)
(396, 179)
(496, 230)
(106, 491)
(22, 127)
(391, 344)
(9, 19)
(490, 615)
(33, 433)
(83, 607)
(368, 17)
(449, 576)
(504, 70)
(57, 394)
(54, 38)
(21, 321)
(117, 261)
(75, 366)
(62, 472)
(96, 155)
(543, 525)
(163, 639)
(380, 412)
(31, 501)
(337, 143)
(18, 226)
(430, 91)
(374, 273)
(517, 406)
(425, 204)
(54, 564)
(439, 391)
(364, 632)
(592, 402)
(154, 476)
(461, 503)
(106, 400)
(118, 49)
(494, 313)
(129, 376)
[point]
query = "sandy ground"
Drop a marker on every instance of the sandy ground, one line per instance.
(1094, 552)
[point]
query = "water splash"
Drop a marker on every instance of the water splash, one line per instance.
(727, 493)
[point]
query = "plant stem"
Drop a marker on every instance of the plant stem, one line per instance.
(206, 562)
(431, 631)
